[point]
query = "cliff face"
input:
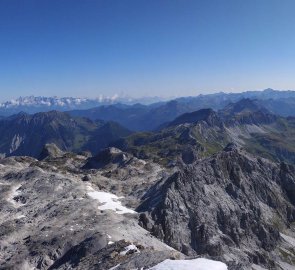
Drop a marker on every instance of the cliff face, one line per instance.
(230, 206)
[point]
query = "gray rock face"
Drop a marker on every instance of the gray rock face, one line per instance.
(87, 255)
(230, 206)
(51, 218)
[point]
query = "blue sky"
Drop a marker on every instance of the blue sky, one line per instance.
(145, 47)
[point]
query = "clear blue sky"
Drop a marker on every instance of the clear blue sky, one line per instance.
(145, 47)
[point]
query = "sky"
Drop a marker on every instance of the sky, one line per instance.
(140, 48)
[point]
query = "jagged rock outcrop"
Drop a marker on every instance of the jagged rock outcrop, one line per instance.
(230, 206)
(107, 156)
(50, 150)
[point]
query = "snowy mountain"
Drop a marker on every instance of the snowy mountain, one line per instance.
(33, 104)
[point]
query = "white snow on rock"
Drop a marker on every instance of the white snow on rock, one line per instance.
(196, 264)
(129, 248)
(109, 202)
(20, 216)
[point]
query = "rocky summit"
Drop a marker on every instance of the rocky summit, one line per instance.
(55, 215)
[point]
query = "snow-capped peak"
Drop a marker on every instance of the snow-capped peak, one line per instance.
(55, 101)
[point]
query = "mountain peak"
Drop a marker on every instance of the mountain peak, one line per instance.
(269, 90)
(243, 106)
(247, 111)
(207, 115)
(51, 114)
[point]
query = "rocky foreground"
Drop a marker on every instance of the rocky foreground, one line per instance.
(115, 211)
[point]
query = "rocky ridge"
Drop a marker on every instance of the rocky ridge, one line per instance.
(231, 206)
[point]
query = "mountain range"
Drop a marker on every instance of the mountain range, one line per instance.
(203, 182)
(205, 132)
(246, 123)
(32, 104)
(25, 134)
(150, 112)
(140, 117)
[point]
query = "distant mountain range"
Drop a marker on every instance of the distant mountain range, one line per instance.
(205, 132)
(261, 120)
(147, 113)
(140, 117)
(32, 104)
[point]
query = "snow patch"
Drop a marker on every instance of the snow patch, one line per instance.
(109, 202)
(196, 264)
(129, 248)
